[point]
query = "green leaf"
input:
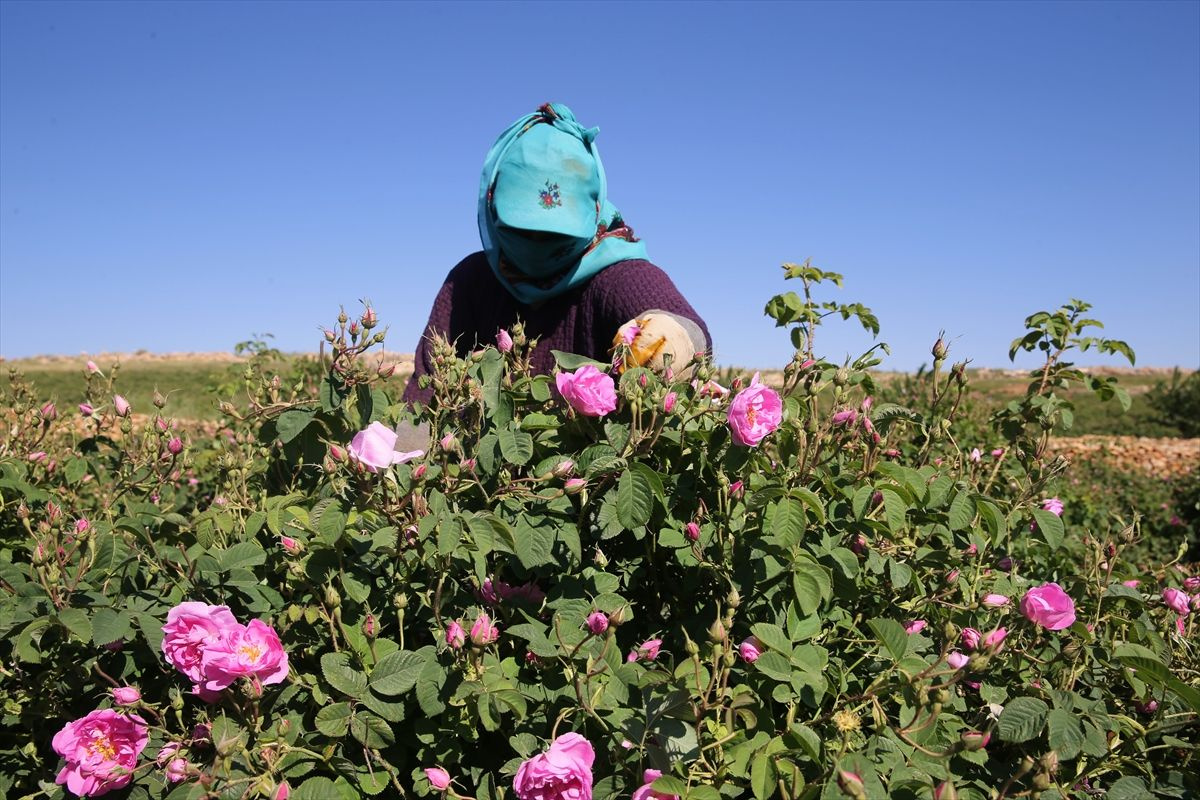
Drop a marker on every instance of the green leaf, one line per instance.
(334, 720)
(535, 544)
(1022, 719)
(77, 622)
(1129, 788)
(371, 730)
(318, 788)
(811, 584)
(1065, 733)
(241, 555)
(962, 511)
(111, 552)
(570, 362)
(341, 676)
(669, 784)
(396, 672)
(762, 776)
(635, 498)
(331, 525)
(775, 665)
(109, 625)
(292, 423)
(772, 636)
(785, 519)
(1050, 526)
(75, 470)
(515, 445)
(891, 635)
(895, 509)
(810, 499)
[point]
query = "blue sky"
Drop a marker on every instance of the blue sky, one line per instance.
(177, 176)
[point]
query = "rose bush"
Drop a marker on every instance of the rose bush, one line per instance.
(563, 595)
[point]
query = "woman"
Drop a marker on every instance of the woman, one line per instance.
(558, 257)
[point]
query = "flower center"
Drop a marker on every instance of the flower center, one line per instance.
(252, 652)
(751, 415)
(102, 746)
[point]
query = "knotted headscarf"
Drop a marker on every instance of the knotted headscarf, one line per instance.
(544, 216)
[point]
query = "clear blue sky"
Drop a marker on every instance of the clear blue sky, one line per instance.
(176, 176)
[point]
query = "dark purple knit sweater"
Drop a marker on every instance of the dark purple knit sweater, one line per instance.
(472, 306)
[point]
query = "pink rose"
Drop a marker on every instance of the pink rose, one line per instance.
(504, 342)
(484, 631)
(121, 405)
(754, 413)
(971, 638)
(564, 772)
(956, 659)
(845, 417)
(91, 367)
(166, 753)
(1048, 606)
(283, 792)
(995, 600)
(175, 446)
(1191, 584)
(1053, 505)
(976, 455)
(250, 651)
(438, 778)
(692, 532)
(456, 635)
(290, 544)
(86, 409)
(375, 448)
(647, 793)
(588, 390)
(597, 622)
(999, 451)
(736, 489)
(995, 639)
(668, 404)
(1131, 584)
(191, 628)
(1177, 600)
(646, 651)
(101, 751)
(126, 695)
(750, 649)
(916, 626)
(177, 770)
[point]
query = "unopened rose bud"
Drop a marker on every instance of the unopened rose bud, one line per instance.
(226, 408)
(597, 622)
(49, 412)
(332, 598)
(504, 341)
(448, 442)
(126, 695)
(974, 740)
(945, 791)
(735, 384)
(386, 371)
(736, 489)
(369, 319)
(370, 627)
(717, 633)
(564, 468)
(86, 409)
(419, 472)
(175, 446)
(574, 485)
(851, 784)
(121, 406)
(668, 403)
(939, 350)
(291, 545)
(692, 532)
(643, 380)
(353, 329)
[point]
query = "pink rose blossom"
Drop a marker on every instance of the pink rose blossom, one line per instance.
(999, 451)
(952, 576)
(375, 448)
(484, 631)
(646, 651)
(975, 740)
(589, 391)
(995, 639)
(736, 489)
(283, 792)
(121, 405)
(1131, 584)
(1148, 707)
(438, 778)
(754, 413)
(290, 544)
(456, 635)
(190, 630)
(750, 649)
(1053, 505)
(668, 404)
(504, 342)
(166, 753)
(250, 651)
(574, 485)
(1191, 584)
(91, 367)
(995, 600)
(101, 751)
(845, 417)
(645, 792)
(126, 695)
(976, 455)
(971, 638)
(175, 446)
(971, 549)
(692, 532)
(86, 409)
(1176, 600)
(956, 659)
(1048, 606)
(447, 442)
(177, 770)
(82, 525)
(564, 772)
(597, 622)
(916, 626)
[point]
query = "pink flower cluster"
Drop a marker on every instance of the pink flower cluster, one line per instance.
(101, 751)
(208, 645)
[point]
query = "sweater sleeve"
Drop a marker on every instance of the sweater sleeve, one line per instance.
(629, 288)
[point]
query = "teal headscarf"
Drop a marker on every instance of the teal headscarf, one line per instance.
(544, 216)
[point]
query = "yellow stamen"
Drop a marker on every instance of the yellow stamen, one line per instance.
(252, 652)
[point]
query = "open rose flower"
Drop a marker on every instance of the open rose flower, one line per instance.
(750, 649)
(101, 751)
(646, 793)
(1049, 606)
(646, 651)
(253, 651)
(754, 413)
(1176, 600)
(1053, 505)
(589, 391)
(375, 448)
(190, 630)
(564, 772)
